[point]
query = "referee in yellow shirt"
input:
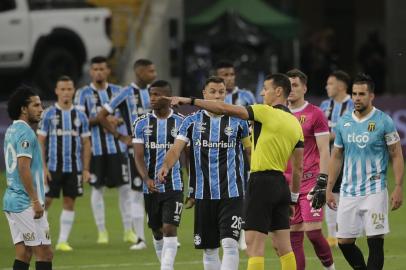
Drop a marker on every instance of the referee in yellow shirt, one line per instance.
(277, 137)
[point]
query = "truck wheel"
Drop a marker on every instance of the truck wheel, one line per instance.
(53, 63)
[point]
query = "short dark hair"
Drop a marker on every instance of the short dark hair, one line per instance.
(342, 76)
(18, 99)
(223, 64)
(142, 63)
(363, 78)
(214, 79)
(162, 84)
(280, 80)
(296, 73)
(98, 60)
(64, 78)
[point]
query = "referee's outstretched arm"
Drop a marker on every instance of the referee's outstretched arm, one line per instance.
(217, 107)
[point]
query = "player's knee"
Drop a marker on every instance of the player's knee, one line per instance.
(23, 253)
(157, 233)
(169, 230)
(346, 241)
(44, 253)
(230, 246)
(68, 203)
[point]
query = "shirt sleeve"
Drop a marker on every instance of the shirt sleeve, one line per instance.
(138, 134)
(259, 112)
(44, 125)
(84, 131)
(25, 144)
(116, 101)
(300, 143)
(80, 100)
(324, 105)
(183, 133)
(320, 126)
(391, 134)
(338, 141)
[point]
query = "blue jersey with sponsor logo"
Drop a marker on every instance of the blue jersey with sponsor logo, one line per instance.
(216, 168)
(366, 156)
(64, 130)
(20, 141)
(158, 136)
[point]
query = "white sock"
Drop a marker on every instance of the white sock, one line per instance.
(137, 209)
(331, 220)
(331, 267)
(158, 245)
(66, 221)
(211, 259)
(124, 199)
(97, 202)
(231, 256)
(169, 250)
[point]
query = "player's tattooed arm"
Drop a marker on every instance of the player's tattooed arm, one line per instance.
(395, 152)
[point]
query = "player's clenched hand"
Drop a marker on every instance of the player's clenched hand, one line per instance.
(189, 203)
(162, 173)
(114, 121)
(319, 192)
(38, 209)
(151, 185)
(396, 198)
(86, 176)
(331, 200)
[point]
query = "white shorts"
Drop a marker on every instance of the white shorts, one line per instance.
(24, 228)
(368, 214)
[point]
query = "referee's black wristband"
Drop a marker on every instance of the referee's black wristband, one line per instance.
(192, 100)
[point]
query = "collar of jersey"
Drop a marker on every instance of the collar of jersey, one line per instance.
(170, 114)
(95, 89)
(368, 116)
(300, 108)
(60, 108)
(20, 121)
(134, 85)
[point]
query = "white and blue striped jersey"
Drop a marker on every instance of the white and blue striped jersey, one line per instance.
(333, 110)
(91, 101)
(64, 130)
(21, 141)
(158, 135)
(240, 97)
(366, 156)
(216, 167)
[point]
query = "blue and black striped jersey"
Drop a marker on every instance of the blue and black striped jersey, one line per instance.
(333, 110)
(158, 135)
(216, 168)
(240, 97)
(91, 101)
(64, 130)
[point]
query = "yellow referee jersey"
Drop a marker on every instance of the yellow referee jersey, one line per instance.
(276, 133)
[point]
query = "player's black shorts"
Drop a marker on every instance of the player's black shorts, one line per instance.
(216, 220)
(266, 206)
(109, 170)
(70, 183)
(163, 208)
(136, 181)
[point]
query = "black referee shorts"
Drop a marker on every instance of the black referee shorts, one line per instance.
(109, 170)
(266, 206)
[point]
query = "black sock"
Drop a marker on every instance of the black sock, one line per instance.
(43, 265)
(375, 258)
(353, 255)
(20, 265)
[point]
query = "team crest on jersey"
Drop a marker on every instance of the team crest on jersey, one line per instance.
(25, 144)
(77, 122)
(371, 126)
(148, 131)
(228, 131)
(174, 132)
(95, 98)
(55, 120)
(348, 124)
(200, 127)
(302, 119)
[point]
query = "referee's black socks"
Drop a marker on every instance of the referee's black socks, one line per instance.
(43, 265)
(376, 257)
(353, 255)
(20, 265)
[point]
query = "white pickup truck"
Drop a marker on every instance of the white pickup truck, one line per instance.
(48, 38)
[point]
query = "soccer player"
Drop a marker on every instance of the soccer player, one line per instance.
(235, 95)
(133, 101)
(64, 132)
(277, 136)
(154, 134)
(308, 220)
(366, 138)
(23, 201)
(338, 103)
(216, 176)
(108, 165)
